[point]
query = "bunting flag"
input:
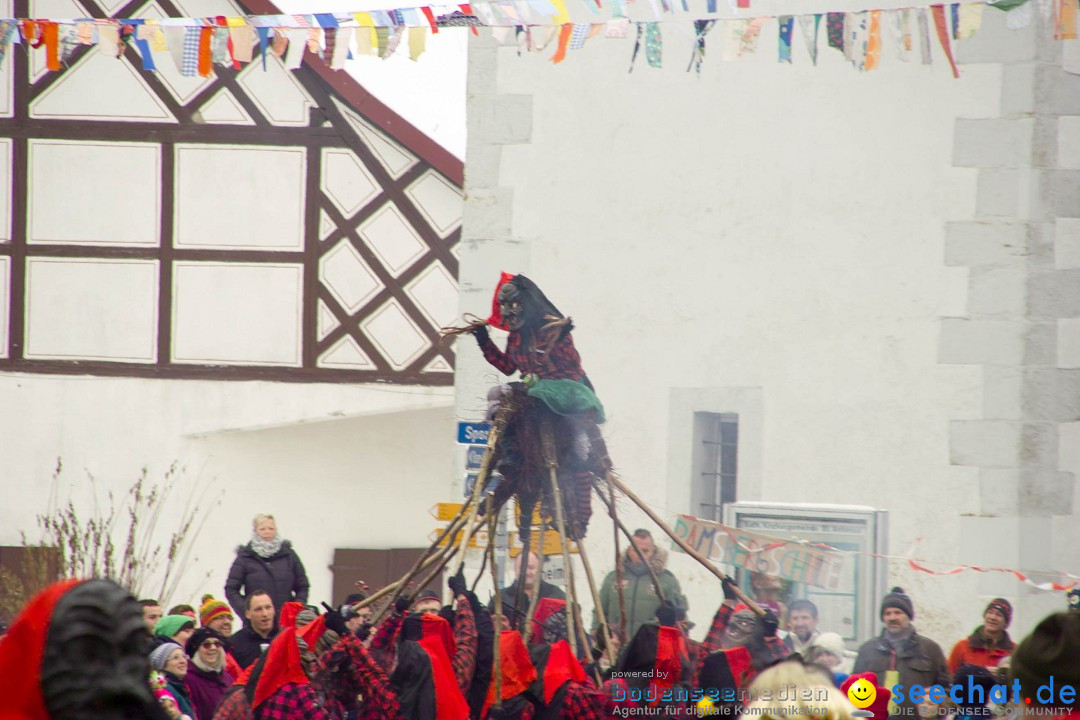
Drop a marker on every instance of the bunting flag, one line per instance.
(873, 41)
(786, 25)
(834, 28)
(810, 25)
(943, 36)
(701, 29)
(924, 36)
(970, 20)
(654, 45)
(1066, 29)
(637, 45)
(564, 40)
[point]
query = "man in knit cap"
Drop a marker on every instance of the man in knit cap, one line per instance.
(216, 615)
(990, 643)
(1049, 657)
(900, 655)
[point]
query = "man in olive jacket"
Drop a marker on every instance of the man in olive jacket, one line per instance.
(638, 592)
(900, 655)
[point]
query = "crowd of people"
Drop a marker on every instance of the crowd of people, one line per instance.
(289, 660)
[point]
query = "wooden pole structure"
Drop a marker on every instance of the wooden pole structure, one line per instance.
(601, 616)
(682, 544)
(618, 562)
(535, 599)
(548, 442)
(498, 598)
(630, 539)
(386, 590)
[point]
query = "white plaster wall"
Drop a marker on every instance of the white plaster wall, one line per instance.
(339, 465)
(773, 228)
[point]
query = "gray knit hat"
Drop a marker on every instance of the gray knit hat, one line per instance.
(898, 599)
(160, 655)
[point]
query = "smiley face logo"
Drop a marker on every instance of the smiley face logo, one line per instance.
(861, 693)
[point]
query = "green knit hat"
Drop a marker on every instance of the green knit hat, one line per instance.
(172, 624)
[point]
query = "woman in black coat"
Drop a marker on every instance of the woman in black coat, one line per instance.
(266, 563)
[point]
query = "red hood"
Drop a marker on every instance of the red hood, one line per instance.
(21, 654)
(496, 319)
(282, 659)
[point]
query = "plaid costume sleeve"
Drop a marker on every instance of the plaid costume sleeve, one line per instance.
(382, 643)
(563, 361)
(293, 702)
(334, 676)
(500, 360)
(582, 703)
(465, 637)
(711, 643)
(379, 700)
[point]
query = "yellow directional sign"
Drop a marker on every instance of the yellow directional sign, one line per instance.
(445, 511)
(479, 539)
(552, 546)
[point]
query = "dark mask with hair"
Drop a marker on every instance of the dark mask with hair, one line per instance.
(743, 629)
(95, 666)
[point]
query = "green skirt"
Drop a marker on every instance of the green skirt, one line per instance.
(567, 397)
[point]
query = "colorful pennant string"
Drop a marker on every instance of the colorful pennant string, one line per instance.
(197, 45)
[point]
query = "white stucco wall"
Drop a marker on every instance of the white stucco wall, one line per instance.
(340, 466)
(770, 235)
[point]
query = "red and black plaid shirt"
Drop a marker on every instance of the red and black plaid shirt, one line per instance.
(349, 674)
(712, 642)
(382, 642)
(552, 357)
(464, 660)
(582, 702)
(293, 701)
(234, 705)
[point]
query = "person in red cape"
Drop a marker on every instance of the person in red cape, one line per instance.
(562, 690)
(279, 687)
(656, 660)
(423, 679)
(517, 674)
(77, 652)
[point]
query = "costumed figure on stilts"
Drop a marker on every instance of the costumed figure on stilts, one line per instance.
(554, 411)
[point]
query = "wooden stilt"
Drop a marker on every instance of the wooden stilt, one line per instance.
(604, 627)
(498, 598)
(535, 599)
(548, 442)
(618, 561)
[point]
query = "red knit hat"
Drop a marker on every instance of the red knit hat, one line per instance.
(211, 609)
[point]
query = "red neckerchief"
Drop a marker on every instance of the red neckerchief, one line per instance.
(21, 654)
(496, 319)
(515, 666)
(282, 659)
(437, 639)
(561, 667)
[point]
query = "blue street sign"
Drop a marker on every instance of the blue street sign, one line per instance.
(470, 483)
(472, 433)
(474, 457)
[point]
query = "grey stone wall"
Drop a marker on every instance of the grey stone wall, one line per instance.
(1022, 251)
